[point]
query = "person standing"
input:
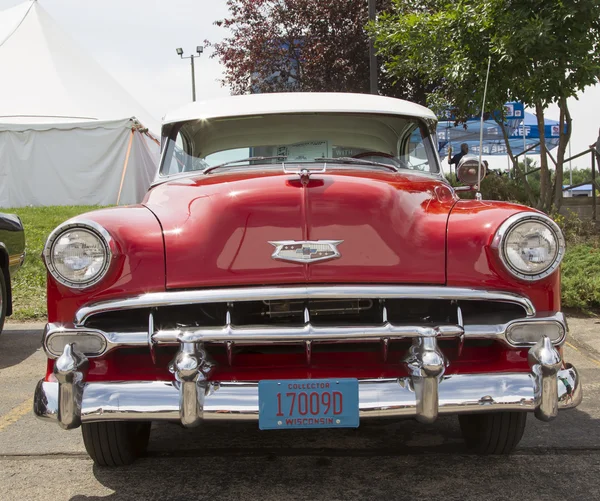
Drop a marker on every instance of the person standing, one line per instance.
(464, 149)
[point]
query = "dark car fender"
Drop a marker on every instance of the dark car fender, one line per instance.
(12, 251)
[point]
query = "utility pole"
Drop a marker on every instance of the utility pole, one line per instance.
(372, 56)
(199, 50)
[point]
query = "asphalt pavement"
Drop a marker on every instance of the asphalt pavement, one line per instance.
(389, 460)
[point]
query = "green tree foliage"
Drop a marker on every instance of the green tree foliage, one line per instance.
(579, 176)
(542, 52)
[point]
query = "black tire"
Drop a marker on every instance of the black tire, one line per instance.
(3, 300)
(495, 433)
(115, 443)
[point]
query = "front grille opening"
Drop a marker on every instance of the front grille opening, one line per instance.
(191, 315)
(490, 312)
(398, 349)
(421, 311)
(320, 312)
(120, 321)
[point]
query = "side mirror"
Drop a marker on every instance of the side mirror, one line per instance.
(466, 171)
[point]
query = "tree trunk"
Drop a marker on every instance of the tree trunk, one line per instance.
(545, 200)
(519, 174)
(563, 141)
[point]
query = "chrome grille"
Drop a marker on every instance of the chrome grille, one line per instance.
(320, 313)
(286, 316)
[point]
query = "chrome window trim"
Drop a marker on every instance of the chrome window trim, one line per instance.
(179, 298)
(161, 179)
(429, 124)
(86, 225)
(499, 240)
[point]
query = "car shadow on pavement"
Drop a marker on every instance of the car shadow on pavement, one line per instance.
(17, 345)
(380, 460)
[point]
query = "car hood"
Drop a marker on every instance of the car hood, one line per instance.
(219, 228)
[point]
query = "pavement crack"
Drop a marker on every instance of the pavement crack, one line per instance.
(44, 455)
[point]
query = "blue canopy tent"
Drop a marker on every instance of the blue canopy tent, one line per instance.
(450, 134)
(532, 135)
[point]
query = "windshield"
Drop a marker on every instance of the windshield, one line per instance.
(345, 139)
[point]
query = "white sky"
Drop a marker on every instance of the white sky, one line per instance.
(135, 41)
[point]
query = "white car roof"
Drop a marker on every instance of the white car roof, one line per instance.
(297, 102)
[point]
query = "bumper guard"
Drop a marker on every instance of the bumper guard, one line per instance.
(192, 398)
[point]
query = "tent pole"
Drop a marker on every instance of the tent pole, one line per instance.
(593, 185)
(125, 164)
(524, 145)
(152, 138)
(570, 165)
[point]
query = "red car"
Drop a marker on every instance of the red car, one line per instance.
(301, 262)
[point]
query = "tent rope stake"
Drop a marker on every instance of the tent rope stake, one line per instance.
(125, 164)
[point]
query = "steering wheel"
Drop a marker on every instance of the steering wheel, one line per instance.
(373, 154)
(394, 162)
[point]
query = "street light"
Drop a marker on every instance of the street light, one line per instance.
(199, 50)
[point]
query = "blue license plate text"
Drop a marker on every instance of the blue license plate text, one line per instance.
(308, 403)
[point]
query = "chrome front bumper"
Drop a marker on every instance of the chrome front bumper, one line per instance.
(192, 399)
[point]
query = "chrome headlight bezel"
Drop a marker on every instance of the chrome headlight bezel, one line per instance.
(91, 227)
(501, 236)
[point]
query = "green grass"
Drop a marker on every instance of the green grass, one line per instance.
(581, 277)
(580, 270)
(29, 285)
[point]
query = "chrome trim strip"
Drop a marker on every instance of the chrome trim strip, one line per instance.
(231, 401)
(498, 331)
(178, 298)
(113, 339)
(300, 334)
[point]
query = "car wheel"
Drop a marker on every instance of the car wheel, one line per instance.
(495, 433)
(115, 443)
(3, 303)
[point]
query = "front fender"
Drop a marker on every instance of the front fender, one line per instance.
(471, 262)
(12, 251)
(138, 266)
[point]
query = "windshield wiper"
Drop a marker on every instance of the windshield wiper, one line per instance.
(249, 159)
(357, 161)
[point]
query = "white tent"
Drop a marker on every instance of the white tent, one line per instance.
(69, 133)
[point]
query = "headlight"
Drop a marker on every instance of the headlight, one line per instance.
(531, 246)
(78, 254)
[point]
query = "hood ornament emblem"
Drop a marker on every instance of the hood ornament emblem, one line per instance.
(306, 251)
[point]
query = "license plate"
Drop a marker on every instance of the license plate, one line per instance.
(308, 403)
